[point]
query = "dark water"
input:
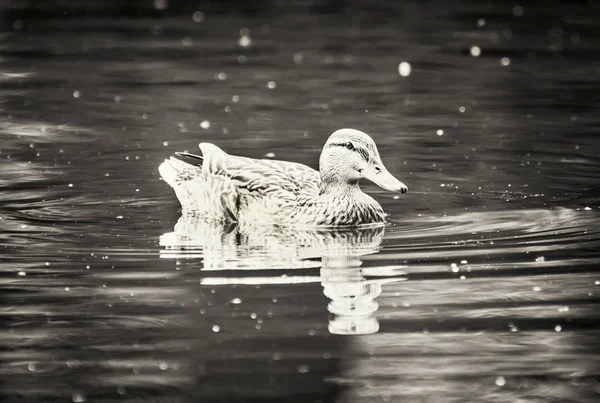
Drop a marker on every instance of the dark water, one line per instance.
(482, 289)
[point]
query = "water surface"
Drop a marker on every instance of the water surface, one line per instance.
(483, 287)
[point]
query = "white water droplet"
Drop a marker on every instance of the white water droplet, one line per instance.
(216, 329)
(78, 397)
(404, 69)
(271, 85)
(22, 273)
(518, 10)
(557, 328)
(500, 381)
(161, 4)
(475, 51)
(298, 57)
(205, 124)
(236, 301)
(505, 61)
(245, 41)
(198, 16)
(303, 369)
(76, 94)
(440, 132)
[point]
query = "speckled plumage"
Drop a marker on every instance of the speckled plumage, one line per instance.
(221, 187)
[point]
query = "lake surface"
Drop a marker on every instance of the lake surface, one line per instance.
(483, 287)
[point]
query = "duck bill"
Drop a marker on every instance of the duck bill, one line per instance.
(379, 175)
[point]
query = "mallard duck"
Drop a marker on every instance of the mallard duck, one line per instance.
(249, 191)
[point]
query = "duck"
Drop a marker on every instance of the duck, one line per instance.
(246, 191)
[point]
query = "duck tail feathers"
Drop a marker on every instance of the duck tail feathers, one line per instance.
(186, 181)
(175, 171)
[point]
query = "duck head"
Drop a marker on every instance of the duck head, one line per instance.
(349, 155)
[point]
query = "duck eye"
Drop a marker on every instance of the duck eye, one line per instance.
(349, 146)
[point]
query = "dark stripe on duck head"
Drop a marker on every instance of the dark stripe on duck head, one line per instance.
(352, 147)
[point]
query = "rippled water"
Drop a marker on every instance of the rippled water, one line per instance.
(483, 288)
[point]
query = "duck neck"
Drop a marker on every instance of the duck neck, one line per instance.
(337, 188)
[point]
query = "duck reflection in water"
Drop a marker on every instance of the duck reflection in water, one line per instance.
(262, 253)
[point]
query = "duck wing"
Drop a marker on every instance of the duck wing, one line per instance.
(286, 181)
(216, 185)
